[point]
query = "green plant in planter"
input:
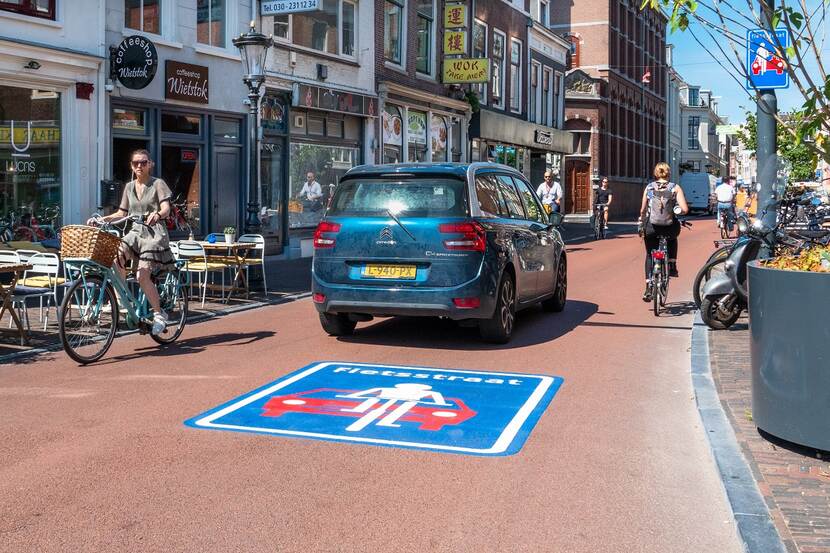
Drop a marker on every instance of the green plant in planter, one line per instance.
(814, 260)
(229, 230)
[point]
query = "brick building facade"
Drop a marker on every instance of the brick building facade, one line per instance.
(619, 121)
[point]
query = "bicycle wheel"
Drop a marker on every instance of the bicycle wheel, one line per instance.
(88, 319)
(596, 227)
(656, 287)
(664, 290)
(712, 268)
(174, 301)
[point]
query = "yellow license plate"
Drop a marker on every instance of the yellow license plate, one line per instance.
(389, 271)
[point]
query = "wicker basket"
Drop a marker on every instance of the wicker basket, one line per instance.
(81, 241)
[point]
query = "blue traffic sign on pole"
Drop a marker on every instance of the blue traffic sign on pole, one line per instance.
(765, 69)
(447, 410)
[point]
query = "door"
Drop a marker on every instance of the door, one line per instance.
(546, 254)
(525, 240)
(578, 197)
(226, 187)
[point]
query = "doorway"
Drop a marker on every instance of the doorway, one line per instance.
(225, 188)
(181, 170)
(578, 195)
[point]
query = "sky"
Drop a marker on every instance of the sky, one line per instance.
(697, 66)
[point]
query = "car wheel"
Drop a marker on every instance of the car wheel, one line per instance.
(560, 294)
(337, 324)
(499, 327)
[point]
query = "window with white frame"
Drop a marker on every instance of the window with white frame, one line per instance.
(330, 30)
(544, 11)
(210, 22)
(693, 142)
(143, 15)
(558, 99)
(425, 10)
(480, 51)
(535, 96)
(497, 76)
(547, 104)
(515, 75)
(393, 13)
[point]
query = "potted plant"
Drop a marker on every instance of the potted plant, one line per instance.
(230, 234)
(790, 349)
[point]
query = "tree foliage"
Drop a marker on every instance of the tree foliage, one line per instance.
(798, 157)
(805, 66)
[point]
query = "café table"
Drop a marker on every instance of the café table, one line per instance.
(234, 257)
(6, 292)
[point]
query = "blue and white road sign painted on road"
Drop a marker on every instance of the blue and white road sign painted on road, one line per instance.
(764, 68)
(448, 410)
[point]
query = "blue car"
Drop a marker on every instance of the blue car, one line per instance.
(469, 242)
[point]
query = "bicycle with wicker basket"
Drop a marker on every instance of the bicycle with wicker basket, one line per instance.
(89, 312)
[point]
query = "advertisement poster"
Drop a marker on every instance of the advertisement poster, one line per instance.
(417, 127)
(392, 129)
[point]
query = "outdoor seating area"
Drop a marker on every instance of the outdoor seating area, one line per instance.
(33, 279)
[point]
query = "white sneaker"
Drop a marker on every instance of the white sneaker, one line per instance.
(159, 322)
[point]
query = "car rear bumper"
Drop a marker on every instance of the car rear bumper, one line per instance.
(414, 301)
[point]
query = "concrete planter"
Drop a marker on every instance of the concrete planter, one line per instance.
(790, 347)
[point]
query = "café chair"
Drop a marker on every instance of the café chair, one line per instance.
(255, 257)
(196, 262)
(41, 281)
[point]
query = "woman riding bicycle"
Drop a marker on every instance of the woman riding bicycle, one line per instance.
(605, 196)
(147, 244)
(662, 202)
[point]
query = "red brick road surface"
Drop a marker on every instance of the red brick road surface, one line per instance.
(96, 458)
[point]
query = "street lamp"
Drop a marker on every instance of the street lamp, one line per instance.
(253, 48)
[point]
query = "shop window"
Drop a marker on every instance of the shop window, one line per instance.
(226, 130)
(143, 15)
(426, 22)
(480, 51)
(393, 31)
(270, 214)
(497, 73)
(456, 140)
(30, 162)
(314, 172)
(392, 134)
(515, 75)
(34, 8)
(181, 123)
(511, 197)
(210, 22)
(181, 170)
(129, 120)
(439, 132)
(417, 135)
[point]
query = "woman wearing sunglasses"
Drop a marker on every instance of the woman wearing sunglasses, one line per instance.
(148, 245)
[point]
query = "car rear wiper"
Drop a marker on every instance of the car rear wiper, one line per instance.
(406, 230)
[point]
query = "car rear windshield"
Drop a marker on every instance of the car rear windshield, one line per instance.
(410, 197)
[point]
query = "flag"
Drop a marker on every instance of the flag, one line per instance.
(647, 76)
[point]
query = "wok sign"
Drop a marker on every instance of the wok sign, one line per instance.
(466, 70)
(446, 410)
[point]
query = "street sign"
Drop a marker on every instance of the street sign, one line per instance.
(765, 69)
(445, 410)
(727, 129)
(278, 7)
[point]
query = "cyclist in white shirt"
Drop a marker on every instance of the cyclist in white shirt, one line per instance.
(725, 194)
(550, 193)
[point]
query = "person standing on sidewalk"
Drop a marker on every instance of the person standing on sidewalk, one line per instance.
(550, 193)
(658, 218)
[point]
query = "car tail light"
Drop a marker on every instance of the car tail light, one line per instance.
(317, 297)
(473, 237)
(321, 241)
(659, 255)
(466, 303)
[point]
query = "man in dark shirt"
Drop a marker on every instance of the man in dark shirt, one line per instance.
(605, 196)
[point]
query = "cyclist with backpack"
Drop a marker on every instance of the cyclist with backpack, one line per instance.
(662, 202)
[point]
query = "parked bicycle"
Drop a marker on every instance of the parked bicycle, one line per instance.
(89, 312)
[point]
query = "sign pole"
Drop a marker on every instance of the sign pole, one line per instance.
(767, 147)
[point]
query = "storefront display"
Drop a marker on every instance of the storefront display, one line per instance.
(392, 134)
(428, 135)
(30, 161)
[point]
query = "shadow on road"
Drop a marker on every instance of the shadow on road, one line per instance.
(193, 345)
(678, 309)
(533, 326)
(632, 325)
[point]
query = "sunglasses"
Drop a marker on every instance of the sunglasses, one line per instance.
(140, 163)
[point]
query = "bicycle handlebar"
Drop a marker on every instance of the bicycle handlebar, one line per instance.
(135, 219)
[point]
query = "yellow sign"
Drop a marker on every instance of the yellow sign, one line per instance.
(466, 70)
(455, 42)
(40, 135)
(455, 16)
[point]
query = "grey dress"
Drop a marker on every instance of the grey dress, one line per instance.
(149, 245)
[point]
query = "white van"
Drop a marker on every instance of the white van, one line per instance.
(698, 189)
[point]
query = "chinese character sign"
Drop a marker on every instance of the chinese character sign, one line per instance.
(455, 42)
(764, 67)
(455, 16)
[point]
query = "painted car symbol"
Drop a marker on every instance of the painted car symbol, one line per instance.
(773, 64)
(324, 401)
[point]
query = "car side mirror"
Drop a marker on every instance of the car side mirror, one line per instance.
(555, 219)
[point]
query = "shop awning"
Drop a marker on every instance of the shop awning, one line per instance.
(509, 130)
